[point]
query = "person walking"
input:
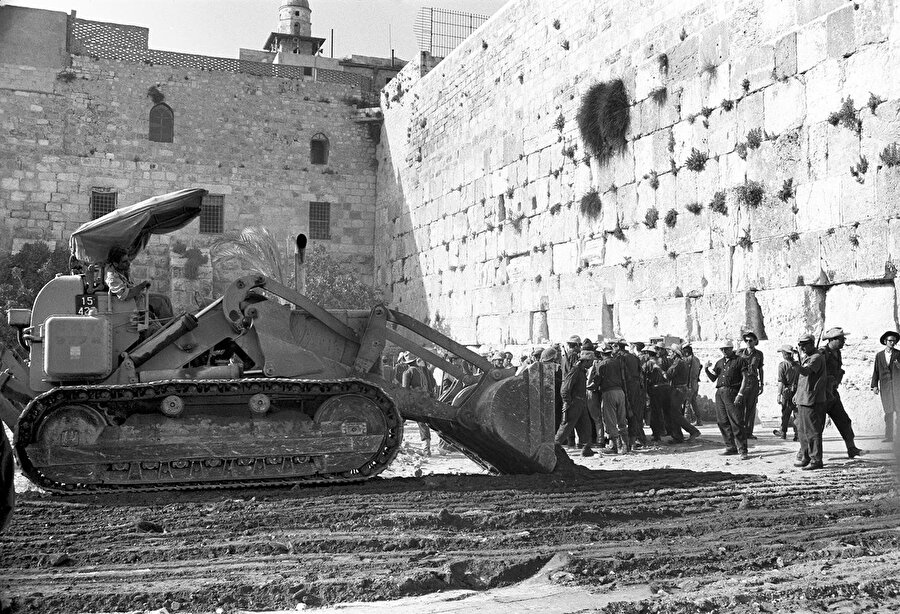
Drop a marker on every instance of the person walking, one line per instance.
(678, 376)
(574, 396)
(730, 374)
(809, 398)
(754, 380)
(834, 368)
(690, 405)
(787, 386)
(886, 380)
(609, 381)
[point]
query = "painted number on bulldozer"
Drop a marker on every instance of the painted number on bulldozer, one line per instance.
(84, 303)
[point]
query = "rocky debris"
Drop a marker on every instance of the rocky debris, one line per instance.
(148, 526)
(61, 560)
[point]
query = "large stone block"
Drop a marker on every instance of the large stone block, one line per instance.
(653, 317)
(873, 21)
(773, 218)
(789, 312)
(841, 32)
(786, 56)
(856, 254)
(717, 316)
(755, 65)
(818, 204)
(871, 69)
(863, 309)
(647, 279)
(785, 105)
(812, 46)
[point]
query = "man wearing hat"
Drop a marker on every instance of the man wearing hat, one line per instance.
(730, 374)
(690, 405)
(679, 374)
(834, 408)
(754, 380)
(594, 403)
(886, 379)
(549, 358)
(658, 393)
(810, 401)
(608, 379)
(574, 396)
(787, 386)
(635, 396)
(570, 354)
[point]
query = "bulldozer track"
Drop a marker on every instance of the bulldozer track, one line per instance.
(120, 395)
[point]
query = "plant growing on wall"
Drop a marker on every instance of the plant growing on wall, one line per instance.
(651, 217)
(653, 179)
(618, 232)
(708, 68)
(662, 60)
(717, 204)
(694, 208)
(745, 85)
(846, 116)
(706, 111)
(873, 102)
(671, 218)
(194, 259)
(727, 105)
(697, 160)
(890, 155)
(560, 122)
(741, 150)
(859, 169)
(604, 117)
(787, 190)
(591, 206)
(659, 94)
(745, 241)
(155, 95)
(754, 138)
(750, 194)
(556, 24)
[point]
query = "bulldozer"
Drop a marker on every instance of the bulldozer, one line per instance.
(262, 387)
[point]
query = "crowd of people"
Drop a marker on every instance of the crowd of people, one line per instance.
(610, 392)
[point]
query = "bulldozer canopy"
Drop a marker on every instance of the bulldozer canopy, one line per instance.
(131, 227)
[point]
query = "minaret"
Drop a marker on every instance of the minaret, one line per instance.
(294, 18)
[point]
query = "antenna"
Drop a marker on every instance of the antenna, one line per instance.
(390, 39)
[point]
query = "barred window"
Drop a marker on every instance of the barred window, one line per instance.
(318, 149)
(103, 201)
(212, 214)
(320, 221)
(162, 124)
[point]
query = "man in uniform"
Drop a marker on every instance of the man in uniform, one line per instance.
(886, 380)
(635, 397)
(810, 401)
(678, 375)
(730, 376)
(754, 359)
(657, 396)
(834, 408)
(690, 405)
(787, 386)
(574, 396)
(609, 381)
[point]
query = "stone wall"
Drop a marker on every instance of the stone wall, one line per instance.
(483, 170)
(82, 122)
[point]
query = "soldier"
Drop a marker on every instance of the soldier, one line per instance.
(690, 405)
(574, 396)
(635, 396)
(594, 407)
(609, 380)
(834, 408)
(549, 358)
(570, 354)
(654, 379)
(678, 375)
(754, 380)
(810, 401)
(730, 375)
(886, 379)
(787, 386)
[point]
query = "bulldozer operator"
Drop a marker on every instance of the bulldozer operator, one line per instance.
(118, 275)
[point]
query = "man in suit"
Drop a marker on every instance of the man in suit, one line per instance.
(886, 380)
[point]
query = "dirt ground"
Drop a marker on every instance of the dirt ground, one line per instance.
(676, 528)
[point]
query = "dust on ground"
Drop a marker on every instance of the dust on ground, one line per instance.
(675, 528)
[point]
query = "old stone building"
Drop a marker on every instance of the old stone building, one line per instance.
(757, 186)
(92, 119)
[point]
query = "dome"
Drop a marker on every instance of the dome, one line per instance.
(300, 4)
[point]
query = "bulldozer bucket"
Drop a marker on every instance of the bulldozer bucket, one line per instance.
(505, 423)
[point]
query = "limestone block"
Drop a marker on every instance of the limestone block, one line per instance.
(717, 316)
(873, 21)
(750, 114)
(688, 235)
(715, 85)
(818, 204)
(864, 309)
(623, 166)
(843, 150)
(812, 46)
(856, 254)
(685, 189)
(691, 96)
(651, 278)
(717, 265)
(777, 160)
(724, 229)
(773, 218)
(652, 317)
(565, 258)
(647, 76)
(814, 150)
(858, 199)
(840, 27)
(616, 251)
(562, 323)
(871, 69)
(887, 190)
(592, 251)
(647, 242)
(628, 204)
(789, 312)
(786, 56)
(647, 116)
(732, 171)
(784, 105)
(708, 183)
(690, 274)
(780, 262)
(582, 179)
(644, 156)
(684, 60)
(723, 132)
(755, 65)
(491, 329)
(810, 10)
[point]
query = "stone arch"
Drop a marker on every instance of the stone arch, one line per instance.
(162, 123)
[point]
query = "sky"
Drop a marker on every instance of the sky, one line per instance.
(221, 27)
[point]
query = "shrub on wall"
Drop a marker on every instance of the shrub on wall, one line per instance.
(750, 193)
(717, 204)
(697, 160)
(694, 208)
(787, 190)
(671, 218)
(604, 117)
(591, 205)
(890, 155)
(846, 116)
(651, 217)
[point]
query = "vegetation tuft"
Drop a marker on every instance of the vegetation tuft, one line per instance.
(671, 218)
(890, 155)
(750, 193)
(591, 206)
(706, 111)
(741, 150)
(873, 102)
(745, 85)
(662, 61)
(697, 160)
(604, 117)
(653, 179)
(859, 169)
(754, 138)
(694, 208)
(651, 217)
(717, 204)
(787, 190)
(745, 242)
(846, 116)
(618, 233)
(727, 105)
(659, 94)
(560, 122)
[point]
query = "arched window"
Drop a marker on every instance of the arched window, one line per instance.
(318, 149)
(162, 124)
